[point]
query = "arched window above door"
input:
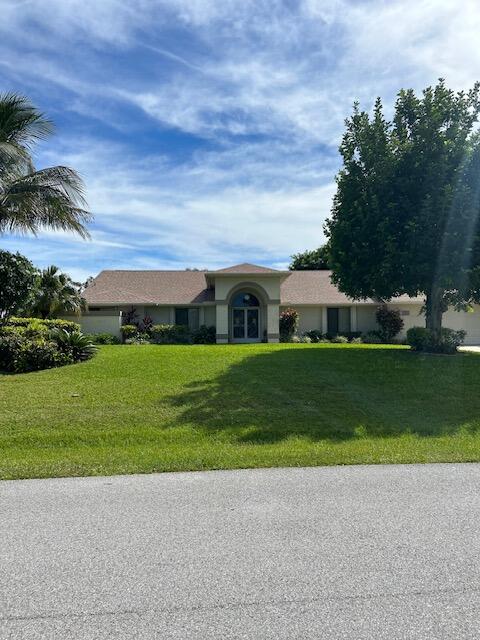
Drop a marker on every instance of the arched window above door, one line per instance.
(245, 299)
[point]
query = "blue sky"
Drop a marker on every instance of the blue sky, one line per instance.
(207, 131)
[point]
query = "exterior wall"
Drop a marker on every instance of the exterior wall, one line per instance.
(223, 286)
(411, 316)
(366, 318)
(468, 320)
(159, 315)
(98, 323)
(222, 323)
(273, 315)
(210, 316)
(308, 318)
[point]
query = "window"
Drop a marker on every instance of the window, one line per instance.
(243, 299)
(189, 317)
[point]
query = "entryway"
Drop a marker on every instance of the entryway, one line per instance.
(245, 318)
(245, 325)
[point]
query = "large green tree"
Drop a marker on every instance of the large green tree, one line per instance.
(313, 260)
(56, 293)
(31, 200)
(405, 217)
(18, 280)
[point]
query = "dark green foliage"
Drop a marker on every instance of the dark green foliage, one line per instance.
(405, 218)
(315, 260)
(372, 337)
(128, 331)
(315, 335)
(30, 344)
(422, 339)
(103, 338)
(389, 321)
(34, 355)
(56, 293)
(204, 335)
(74, 344)
(18, 279)
(288, 324)
(350, 335)
(170, 334)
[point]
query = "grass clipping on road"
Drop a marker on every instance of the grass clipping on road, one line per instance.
(170, 408)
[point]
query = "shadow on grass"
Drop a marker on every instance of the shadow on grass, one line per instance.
(334, 394)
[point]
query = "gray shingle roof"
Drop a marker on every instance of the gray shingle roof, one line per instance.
(190, 287)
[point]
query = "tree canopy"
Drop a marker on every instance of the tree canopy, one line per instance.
(31, 200)
(56, 293)
(18, 279)
(405, 217)
(314, 260)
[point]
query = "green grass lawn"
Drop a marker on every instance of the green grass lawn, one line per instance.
(159, 408)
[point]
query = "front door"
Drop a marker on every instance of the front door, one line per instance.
(245, 325)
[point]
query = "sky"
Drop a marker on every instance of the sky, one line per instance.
(207, 132)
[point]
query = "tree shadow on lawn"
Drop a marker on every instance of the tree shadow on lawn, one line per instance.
(334, 394)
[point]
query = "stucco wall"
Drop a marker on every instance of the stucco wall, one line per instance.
(308, 318)
(223, 286)
(470, 321)
(98, 323)
(159, 315)
(210, 316)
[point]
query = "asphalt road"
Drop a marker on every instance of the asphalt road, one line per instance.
(342, 552)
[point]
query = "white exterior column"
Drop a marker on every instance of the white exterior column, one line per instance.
(222, 323)
(273, 317)
(353, 318)
(324, 320)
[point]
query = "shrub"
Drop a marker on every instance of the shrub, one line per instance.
(146, 324)
(422, 339)
(372, 337)
(103, 338)
(288, 324)
(389, 321)
(30, 344)
(75, 344)
(357, 340)
(140, 338)
(204, 335)
(10, 344)
(33, 355)
(339, 340)
(37, 324)
(314, 334)
(170, 334)
(128, 331)
(306, 339)
(347, 334)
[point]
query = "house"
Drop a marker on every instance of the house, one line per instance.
(244, 303)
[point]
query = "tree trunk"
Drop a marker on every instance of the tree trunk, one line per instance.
(434, 311)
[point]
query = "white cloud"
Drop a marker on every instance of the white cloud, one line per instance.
(268, 86)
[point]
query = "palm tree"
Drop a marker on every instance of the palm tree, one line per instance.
(31, 200)
(57, 294)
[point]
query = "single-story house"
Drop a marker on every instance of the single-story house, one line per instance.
(244, 303)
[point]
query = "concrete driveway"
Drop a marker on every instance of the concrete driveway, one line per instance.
(342, 552)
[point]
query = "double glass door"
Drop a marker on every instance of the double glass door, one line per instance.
(245, 325)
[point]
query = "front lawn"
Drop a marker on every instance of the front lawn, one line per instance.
(160, 408)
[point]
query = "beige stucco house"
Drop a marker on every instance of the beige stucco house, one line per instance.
(244, 303)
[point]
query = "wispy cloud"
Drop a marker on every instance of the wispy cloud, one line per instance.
(207, 131)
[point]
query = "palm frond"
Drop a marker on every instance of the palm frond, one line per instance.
(21, 123)
(51, 197)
